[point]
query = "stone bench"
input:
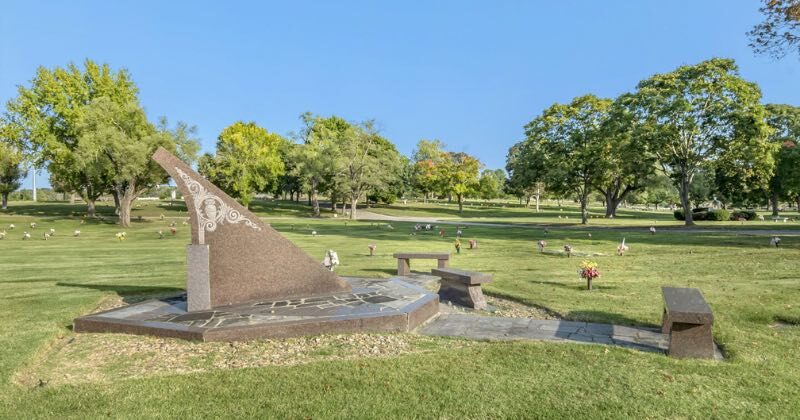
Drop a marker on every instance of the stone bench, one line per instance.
(404, 260)
(688, 320)
(462, 287)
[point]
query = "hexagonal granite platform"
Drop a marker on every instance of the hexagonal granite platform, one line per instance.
(373, 305)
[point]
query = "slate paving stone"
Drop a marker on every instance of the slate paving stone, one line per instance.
(497, 328)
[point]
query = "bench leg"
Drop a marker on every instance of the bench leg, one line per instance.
(665, 324)
(476, 296)
(462, 294)
(443, 263)
(403, 267)
(691, 340)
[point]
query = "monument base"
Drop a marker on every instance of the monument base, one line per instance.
(373, 306)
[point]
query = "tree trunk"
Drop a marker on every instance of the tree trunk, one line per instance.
(775, 202)
(584, 211)
(353, 206)
(527, 201)
(612, 203)
(537, 197)
(687, 207)
(460, 203)
(5, 200)
(313, 199)
(126, 196)
(115, 194)
(91, 210)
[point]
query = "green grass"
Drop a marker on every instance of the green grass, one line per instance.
(566, 215)
(750, 286)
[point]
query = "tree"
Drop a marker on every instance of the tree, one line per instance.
(317, 157)
(571, 139)
(11, 171)
(525, 164)
(779, 33)
(120, 137)
(426, 156)
(700, 116)
(625, 164)
(248, 159)
(785, 122)
(490, 184)
(458, 174)
(660, 190)
(50, 111)
(368, 161)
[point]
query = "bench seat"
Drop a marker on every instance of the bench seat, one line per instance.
(404, 260)
(688, 320)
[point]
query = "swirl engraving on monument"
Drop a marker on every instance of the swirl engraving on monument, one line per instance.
(211, 210)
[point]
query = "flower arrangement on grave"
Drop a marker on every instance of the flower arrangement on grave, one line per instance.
(121, 236)
(457, 244)
(568, 250)
(173, 230)
(588, 271)
(372, 249)
(541, 245)
(473, 243)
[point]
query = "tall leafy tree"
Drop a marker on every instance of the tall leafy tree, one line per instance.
(50, 112)
(368, 161)
(120, 137)
(490, 184)
(704, 115)
(458, 175)
(425, 158)
(11, 169)
(248, 159)
(571, 138)
(624, 162)
(317, 158)
(785, 122)
(779, 33)
(525, 164)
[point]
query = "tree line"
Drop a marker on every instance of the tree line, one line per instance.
(86, 126)
(701, 128)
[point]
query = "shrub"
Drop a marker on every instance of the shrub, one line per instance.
(700, 215)
(745, 214)
(678, 215)
(719, 215)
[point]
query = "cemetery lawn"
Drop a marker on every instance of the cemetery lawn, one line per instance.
(753, 289)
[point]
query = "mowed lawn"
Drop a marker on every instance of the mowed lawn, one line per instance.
(753, 289)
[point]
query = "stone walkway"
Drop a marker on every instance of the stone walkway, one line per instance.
(497, 328)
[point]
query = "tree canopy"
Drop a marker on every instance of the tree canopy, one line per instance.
(248, 160)
(701, 116)
(779, 33)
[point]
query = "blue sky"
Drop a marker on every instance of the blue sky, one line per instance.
(470, 73)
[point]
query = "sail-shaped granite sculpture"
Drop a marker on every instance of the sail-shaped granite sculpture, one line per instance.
(234, 257)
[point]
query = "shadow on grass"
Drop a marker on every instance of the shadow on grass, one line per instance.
(129, 294)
